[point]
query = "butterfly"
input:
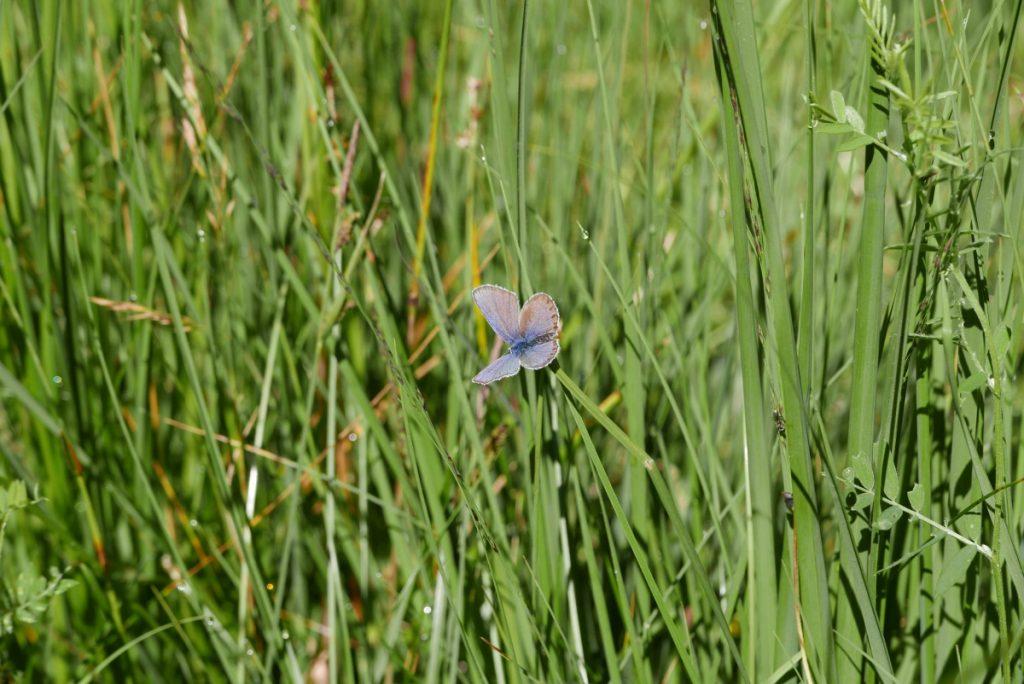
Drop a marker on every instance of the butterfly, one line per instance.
(531, 332)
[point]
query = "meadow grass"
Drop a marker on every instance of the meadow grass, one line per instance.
(782, 441)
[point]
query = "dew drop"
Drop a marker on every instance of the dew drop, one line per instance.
(193, 522)
(427, 610)
(57, 380)
(848, 474)
(132, 297)
(703, 24)
(292, 28)
(201, 234)
(184, 588)
(352, 437)
(249, 652)
(285, 635)
(649, 463)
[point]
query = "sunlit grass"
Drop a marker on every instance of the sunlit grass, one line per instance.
(781, 440)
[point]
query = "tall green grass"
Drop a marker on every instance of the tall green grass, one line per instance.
(782, 441)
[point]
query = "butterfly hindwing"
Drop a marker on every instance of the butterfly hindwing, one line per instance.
(539, 355)
(504, 367)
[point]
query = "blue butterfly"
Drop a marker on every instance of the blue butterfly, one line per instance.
(531, 332)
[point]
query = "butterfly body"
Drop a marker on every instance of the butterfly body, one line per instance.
(521, 347)
(530, 332)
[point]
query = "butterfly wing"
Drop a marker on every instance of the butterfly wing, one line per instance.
(539, 318)
(501, 309)
(538, 355)
(505, 367)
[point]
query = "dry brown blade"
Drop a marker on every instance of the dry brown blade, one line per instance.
(236, 66)
(193, 125)
(350, 160)
(234, 443)
(179, 510)
(139, 312)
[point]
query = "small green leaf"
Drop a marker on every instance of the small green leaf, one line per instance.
(955, 570)
(838, 105)
(863, 500)
(862, 468)
(950, 159)
(855, 143)
(830, 128)
(889, 517)
(974, 382)
(1002, 340)
(14, 497)
(916, 496)
(856, 122)
(892, 481)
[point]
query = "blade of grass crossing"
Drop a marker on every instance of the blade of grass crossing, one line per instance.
(668, 502)
(600, 609)
(762, 607)
(680, 637)
(867, 325)
(217, 474)
(428, 174)
(999, 457)
(633, 394)
(736, 43)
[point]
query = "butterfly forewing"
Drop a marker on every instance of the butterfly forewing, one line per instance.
(501, 309)
(539, 318)
(539, 355)
(506, 366)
